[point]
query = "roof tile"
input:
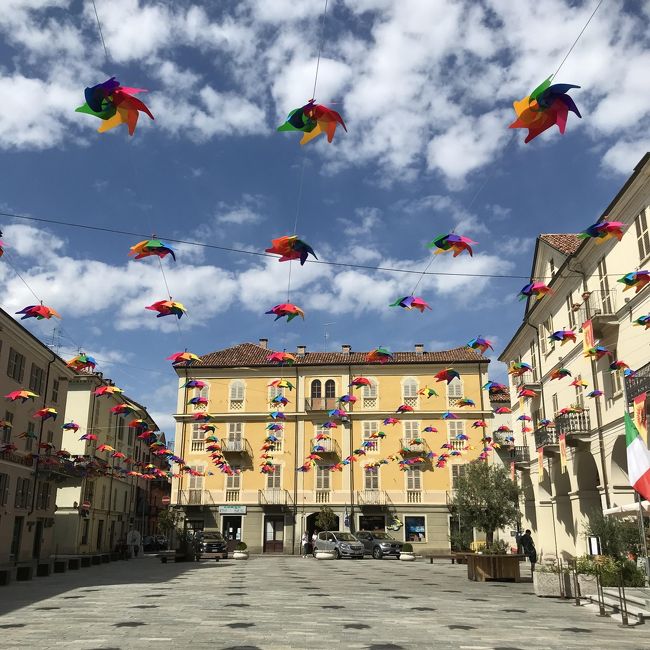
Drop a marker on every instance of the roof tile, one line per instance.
(566, 243)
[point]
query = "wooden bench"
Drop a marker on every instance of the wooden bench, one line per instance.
(455, 558)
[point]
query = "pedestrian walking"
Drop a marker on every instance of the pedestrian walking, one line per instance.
(305, 544)
(133, 539)
(528, 547)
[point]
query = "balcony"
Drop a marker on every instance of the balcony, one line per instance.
(409, 446)
(547, 438)
(599, 307)
(528, 380)
(323, 496)
(638, 384)
(236, 446)
(413, 496)
(321, 403)
(329, 446)
(372, 498)
(518, 454)
(232, 495)
(576, 426)
(458, 445)
(195, 497)
(274, 497)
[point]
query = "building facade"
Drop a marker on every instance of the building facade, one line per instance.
(115, 493)
(573, 462)
(27, 493)
(354, 468)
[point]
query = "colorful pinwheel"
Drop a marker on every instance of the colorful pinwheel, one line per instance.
(38, 311)
(168, 308)
(604, 230)
(535, 289)
(281, 358)
(430, 430)
(546, 423)
(618, 365)
(595, 393)
(179, 358)
(280, 399)
(465, 401)
(448, 375)
(392, 421)
(524, 418)
(448, 415)
(404, 408)
(288, 310)
(494, 387)
(479, 343)
(643, 321)
(114, 104)
(429, 392)
(281, 383)
(518, 368)
(504, 428)
(291, 248)
(357, 382)
(379, 355)
(70, 426)
(479, 424)
(22, 395)
(637, 279)
(578, 382)
(347, 399)
(121, 409)
(525, 393)
(411, 302)
(82, 362)
(196, 401)
(149, 247)
(46, 414)
(452, 242)
(560, 373)
(313, 119)
(502, 410)
(88, 436)
(563, 336)
(108, 390)
(105, 448)
(545, 106)
(337, 413)
(597, 352)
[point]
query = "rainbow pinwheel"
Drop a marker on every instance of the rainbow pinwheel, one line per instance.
(179, 358)
(168, 308)
(545, 106)
(404, 408)
(546, 423)
(479, 343)
(526, 393)
(291, 248)
(2, 246)
(114, 104)
(643, 321)
(452, 242)
(465, 401)
(518, 368)
(578, 382)
(329, 425)
(105, 448)
(637, 279)
(108, 390)
(535, 290)
(448, 415)
(282, 358)
(22, 395)
(618, 365)
(121, 409)
(392, 421)
(88, 436)
(429, 392)
(82, 362)
(313, 119)
(595, 393)
(196, 401)
(337, 413)
(604, 230)
(430, 430)
(524, 418)
(357, 382)
(563, 336)
(46, 414)
(448, 375)
(281, 383)
(628, 372)
(560, 373)
(288, 310)
(502, 410)
(194, 383)
(347, 399)
(411, 302)
(70, 426)
(379, 355)
(149, 247)
(597, 352)
(504, 428)
(479, 424)
(494, 387)
(38, 311)
(280, 399)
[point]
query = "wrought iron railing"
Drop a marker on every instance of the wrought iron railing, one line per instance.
(274, 497)
(545, 437)
(639, 383)
(573, 423)
(516, 453)
(409, 444)
(321, 403)
(596, 303)
(236, 446)
(372, 497)
(326, 446)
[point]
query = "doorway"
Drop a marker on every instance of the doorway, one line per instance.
(38, 535)
(100, 534)
(231, 530)
(372, 522)
(273, 533)
(16, 537)
(311, 527)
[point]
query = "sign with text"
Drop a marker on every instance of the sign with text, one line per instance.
(232, 510)
(640, 416)
(562, 442)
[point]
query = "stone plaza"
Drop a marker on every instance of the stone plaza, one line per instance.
(291, 602)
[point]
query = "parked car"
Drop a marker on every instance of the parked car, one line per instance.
(153, 543)
(213, 545)
(343, 544)
(379, 544)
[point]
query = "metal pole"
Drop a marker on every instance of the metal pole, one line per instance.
(621, 599)
(600, 594)
(644, 542)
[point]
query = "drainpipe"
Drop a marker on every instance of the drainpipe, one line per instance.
(183, 430)
(539, 362)
(352, 526)
(295, 469)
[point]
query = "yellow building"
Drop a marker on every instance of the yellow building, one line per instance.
(270, 511)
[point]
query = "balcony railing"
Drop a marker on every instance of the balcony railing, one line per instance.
(372, 498)
(195, 497)
(458, 445)
(197, 445)
(638, 384)
(232, 495)
(408, 444)
(516, 453)
(329, 446)
(323, 496)
(413, 496)
(274, 497)
(545, 437)
(526, 379)
(600, 307)
(574, 424)
(321, 403)
(236, 446)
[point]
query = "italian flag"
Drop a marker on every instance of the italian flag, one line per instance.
(638, 459)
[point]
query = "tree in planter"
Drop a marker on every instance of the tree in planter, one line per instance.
(326, 519)
(617, 537)
(486, 498)
(168, 523)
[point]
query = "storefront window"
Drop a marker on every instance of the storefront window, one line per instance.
(414, 529)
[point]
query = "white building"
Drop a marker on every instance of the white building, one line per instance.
(583, 276)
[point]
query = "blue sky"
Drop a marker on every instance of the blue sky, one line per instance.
(426, 91)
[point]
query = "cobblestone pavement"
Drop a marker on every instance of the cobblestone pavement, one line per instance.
(290, 602)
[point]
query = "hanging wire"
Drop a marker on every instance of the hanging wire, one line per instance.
(320, 48)
(22, 279)
(101, 34)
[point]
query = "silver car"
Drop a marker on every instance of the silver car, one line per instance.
(379, 543)
(343, 544)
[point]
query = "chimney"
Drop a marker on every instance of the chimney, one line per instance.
(264, 343)
(301, 350)
(419, 348)
(346, 349)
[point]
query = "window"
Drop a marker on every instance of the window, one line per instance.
(371, 478)
(533, 359)
(544, 333)
(31, 435)
(235, 431)
(615, 384)
(322, 478)
(4, 489)
(603, 282)
(233, 482)
(316, 389)
(126, 495)
(572, 313)
(236, 395)
(274, 391)
(103, 501)
(198, 438)
(370, 395)
(119, 427)
(456, 472)
(85, 530)
(50, 436)
(454, 428)
(274, 480)
(369, 428)
(413, 478)
(16, 365)
(36, 377)
(642, 235)
(55, 390)
(537, 416)
(330, 388)
(411, 429)
(454, 390)
(23, 489)
(551, 269)
(415, 529)
(580, 394)
(554, 402)
(410, 391)
(43, 493)
(89, 491)
(6, 431)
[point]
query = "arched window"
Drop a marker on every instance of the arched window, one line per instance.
(370, 392)
(330, 388)
(454, 389)
(237, 390)
(316, 388)
(410, 388)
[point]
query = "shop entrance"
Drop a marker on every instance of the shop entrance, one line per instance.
(231, 530)
(372, 522)
(273, 533)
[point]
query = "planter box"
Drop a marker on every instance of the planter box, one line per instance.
(553, 585)
(481, 568)
(407, 557)
(240, 555)
(324, 555)
(587, 585)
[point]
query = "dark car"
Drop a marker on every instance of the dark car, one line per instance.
(342, 543)
(378, 543)
(213, 545)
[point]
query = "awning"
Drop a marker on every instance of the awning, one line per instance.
(628, 510)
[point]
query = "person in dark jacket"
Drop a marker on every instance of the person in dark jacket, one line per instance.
(528, 547)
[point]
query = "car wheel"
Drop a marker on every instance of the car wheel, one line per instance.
(337, 554)
(376, 553)
(216, 559)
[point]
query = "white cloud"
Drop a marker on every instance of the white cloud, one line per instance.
(245, 212)
(362, 223)
(625, 154)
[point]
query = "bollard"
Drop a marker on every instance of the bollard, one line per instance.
(574, 575)
(600, 594)
(621, 599)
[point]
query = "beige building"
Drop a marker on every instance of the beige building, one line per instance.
(270, 511)
(587, 297)
(27, 491)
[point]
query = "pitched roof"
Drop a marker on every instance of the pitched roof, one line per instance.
(566, 243)
(251, 354)
(501, 396)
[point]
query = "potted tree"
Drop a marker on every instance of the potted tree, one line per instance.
(240, 552)
(326, 520)
(407, 554)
